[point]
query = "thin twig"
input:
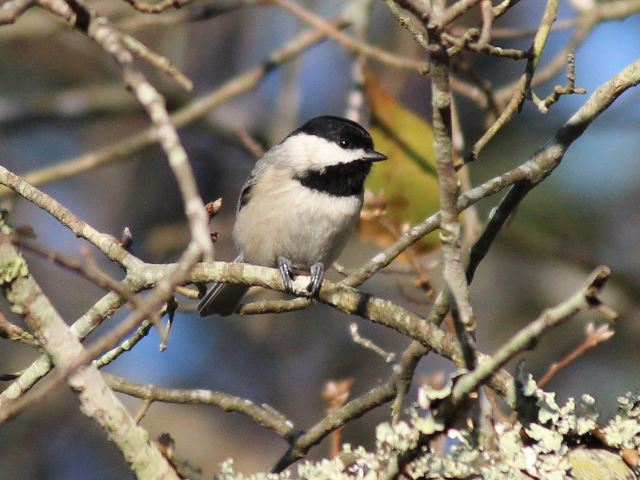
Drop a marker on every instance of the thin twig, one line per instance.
(503, 7)
(594, 337)
(158, 7)
(249, 142)
(487, 22)
(335, 394)
(16, 334)
(407, 23)
(142, 411)
(200, 11)
(585, 23)
(126, 346)
(468, 42)
(369, 344)
(356, 99)
(351, 43)
(455, 11)
(265, 416)
(423, 280)
(12, 9)
(238, 85)
(559, 90)
(523, 86)
(161, 62)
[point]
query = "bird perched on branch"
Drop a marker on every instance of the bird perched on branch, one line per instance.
(299, 205)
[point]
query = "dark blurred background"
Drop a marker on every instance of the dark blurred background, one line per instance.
(584, 215)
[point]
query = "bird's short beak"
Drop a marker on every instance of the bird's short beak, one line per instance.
(373, 156)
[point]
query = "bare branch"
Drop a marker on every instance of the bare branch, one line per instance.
(594, 337)
(535, 170)
(240, 84)
(126, 346)
(369, 344)
(559, 90)
(487, 22)
(265, 416)
(586, 298)
(16, 334)
(468, 42)
(107, 36)
(160, 62)
(98, 401)
(158, 7)
(105, 243)
(455, 11)
(353, 409)
(81, 328)
(351, 43)
(586, 22)
(450, 232)
(524, 84)
(406, 22)
(12, 9)
(503, 7)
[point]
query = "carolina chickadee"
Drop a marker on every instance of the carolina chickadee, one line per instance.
(299, 205)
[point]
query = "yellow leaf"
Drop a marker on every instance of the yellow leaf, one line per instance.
(408, 178)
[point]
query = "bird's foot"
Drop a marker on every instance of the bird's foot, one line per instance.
(317, 276)
(286, 271)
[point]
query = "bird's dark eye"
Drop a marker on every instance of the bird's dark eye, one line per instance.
(344, 143)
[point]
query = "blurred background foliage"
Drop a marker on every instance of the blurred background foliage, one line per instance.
(61, 97)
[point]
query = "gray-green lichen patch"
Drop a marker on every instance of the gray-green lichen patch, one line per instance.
(546, 445)
(12, 265)
(548, 440)
(427, 393)
(587, 418)
(623, 430)
(396, 437)
(227, 472)
(11, 269)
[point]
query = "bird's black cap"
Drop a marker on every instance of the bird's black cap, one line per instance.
(344, 132)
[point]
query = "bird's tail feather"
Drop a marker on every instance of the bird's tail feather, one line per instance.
(222, 299)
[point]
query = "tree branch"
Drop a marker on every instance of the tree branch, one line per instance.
(264, 416)
(240, 84)
(587, 297)
(450, 232)
(12, 9)
(97, 400)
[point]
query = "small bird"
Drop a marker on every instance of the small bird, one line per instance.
(299, 205)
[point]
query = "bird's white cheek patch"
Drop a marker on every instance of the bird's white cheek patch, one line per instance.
(319, 152)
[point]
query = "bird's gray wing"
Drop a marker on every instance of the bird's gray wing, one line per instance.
(269, 158)
(223, 298)
(245, 193)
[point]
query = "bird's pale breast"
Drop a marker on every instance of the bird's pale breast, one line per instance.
(304, 225)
